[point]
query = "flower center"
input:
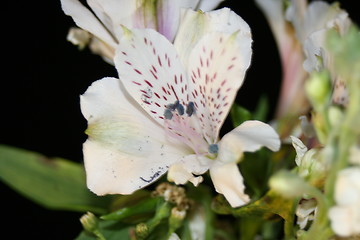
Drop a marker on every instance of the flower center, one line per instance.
(182, 124)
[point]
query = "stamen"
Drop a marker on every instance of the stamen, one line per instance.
(213, 148)
(180, 109)
(172, 106)
(168, 114)
(190, 109)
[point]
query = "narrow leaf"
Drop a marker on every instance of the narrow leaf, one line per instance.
(53, 183)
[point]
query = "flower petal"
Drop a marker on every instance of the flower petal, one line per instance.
(217, 67)
(195, 24)
(207, 5)
(184, 170)
(85, 19)
(168, 15)
(179, 175)
(126, 149)
(248, 137)
(151, 71)
(229, 182)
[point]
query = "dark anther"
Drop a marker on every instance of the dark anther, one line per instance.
(180, 109)
(190, 109)
(168, 114)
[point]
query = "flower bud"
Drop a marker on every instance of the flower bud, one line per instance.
(141, 230)
(89, 222)
(318, 88)
(336, 116)
(288, 184)
(176, 218)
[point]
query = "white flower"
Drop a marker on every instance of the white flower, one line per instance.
(345, 215)
(166, 112)
(105, 25)
(312, 23)
(292, 96)
(305, 212)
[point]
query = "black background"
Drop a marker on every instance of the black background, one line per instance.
(42, 78)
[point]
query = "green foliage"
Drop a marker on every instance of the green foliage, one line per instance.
(240, 114)
(53, 183)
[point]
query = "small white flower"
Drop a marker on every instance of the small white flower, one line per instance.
(110, 15)
(345, 215)
(166, 112)
(312, 23)
(305, 212)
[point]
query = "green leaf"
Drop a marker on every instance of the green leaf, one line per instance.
(53, 183)
(145, 206)
(270, 204)
(262, 109)
(239, 115)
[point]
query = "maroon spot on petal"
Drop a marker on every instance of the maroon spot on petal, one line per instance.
(145, 41)
(233, 59)
(137, 83)
(137, 71)
(128, 63)
(154, 75)
(192, 79)
(148, 83)
(211, 54)
(159, 61)
(153, 112)
(223, 82)
(164, 98)
(172, 88)
(124, 53)
(154, 68)
(230, 67)
(215, 75)
(228, 90)
(158, 96)
(168, 61)
(181, 79)
(199, 73)
(201, 62)
(157, 104)
(154, 51)
(175, 79)
(164, 90)
(161, 117)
